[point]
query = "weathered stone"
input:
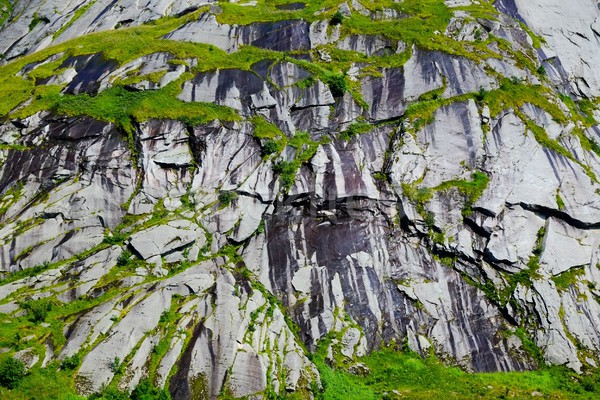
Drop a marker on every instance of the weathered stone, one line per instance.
(163, 239)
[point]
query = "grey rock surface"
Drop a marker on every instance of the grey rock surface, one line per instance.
(446, 224)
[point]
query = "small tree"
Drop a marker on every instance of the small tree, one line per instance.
(11, 372)
(116, 365)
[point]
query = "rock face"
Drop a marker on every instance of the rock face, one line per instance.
(368, 189)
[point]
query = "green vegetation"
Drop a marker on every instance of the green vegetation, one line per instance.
(305, 150)
(5, 10)
(356, 128)
(70, 363)
(336, 18)
(25, 273)
(36, 21)
(226, 197)
(472, 190)
(560, 203)
(12, 371)
(146, 391)
(337, 84)
(513, 93)
(37, 309)
(392, 374)
(122, 106)
(395, 375)
(568, 278)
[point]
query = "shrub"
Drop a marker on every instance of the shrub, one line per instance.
(116, 365)
(11, 372)
(37, 309)
(541, 70)
(270, 147)
(226, 197)
(146, 391)
(70, 362)
(124, 258)
(116, 238)
(110, 393)
(337, 18)
(337, 84)
(480, 96)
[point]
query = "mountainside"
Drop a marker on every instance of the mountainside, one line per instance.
(224, 197)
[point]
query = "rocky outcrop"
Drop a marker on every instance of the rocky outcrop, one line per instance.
(441, 197)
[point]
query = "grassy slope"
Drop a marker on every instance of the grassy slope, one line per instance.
(407, 376)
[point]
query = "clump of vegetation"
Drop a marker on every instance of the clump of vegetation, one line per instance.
(37, 310)
(287, 171)
(356, 128)
(226, 197)
(124, 258)
(336, 18)
(146, 391)
(270, 147)
(26, 273)
(12, 371)
(337, 84)
(116, 365)
(116, 238)
(305, 150)
(568, 278)
(70, 363)
(37, 20)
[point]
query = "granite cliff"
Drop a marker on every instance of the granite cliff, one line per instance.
(206, 193)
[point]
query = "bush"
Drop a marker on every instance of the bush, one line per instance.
(270, 147)
(70, 362)
(146, 391)
(11, 372)
(110, 393)
(124, 258)
(480, 96)
(337, 18)
(37, 309)
(541, 70)
(225, 198)
(337, 84)
(116, 365)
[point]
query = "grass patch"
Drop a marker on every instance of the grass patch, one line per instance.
(396, 374)
(120, 106)
(472, 190)
(25, 273)
(305, 150)
(357, 128)
(513, 93)
(568, 278)
(6, 8)
(43, 384)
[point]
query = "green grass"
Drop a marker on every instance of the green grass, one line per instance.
(397, 375)
(472, 190)
(305, 150)
(357, 128)
(120, 106)
(568, 278)
(514, 93)
(5, 10)
(43, 384)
